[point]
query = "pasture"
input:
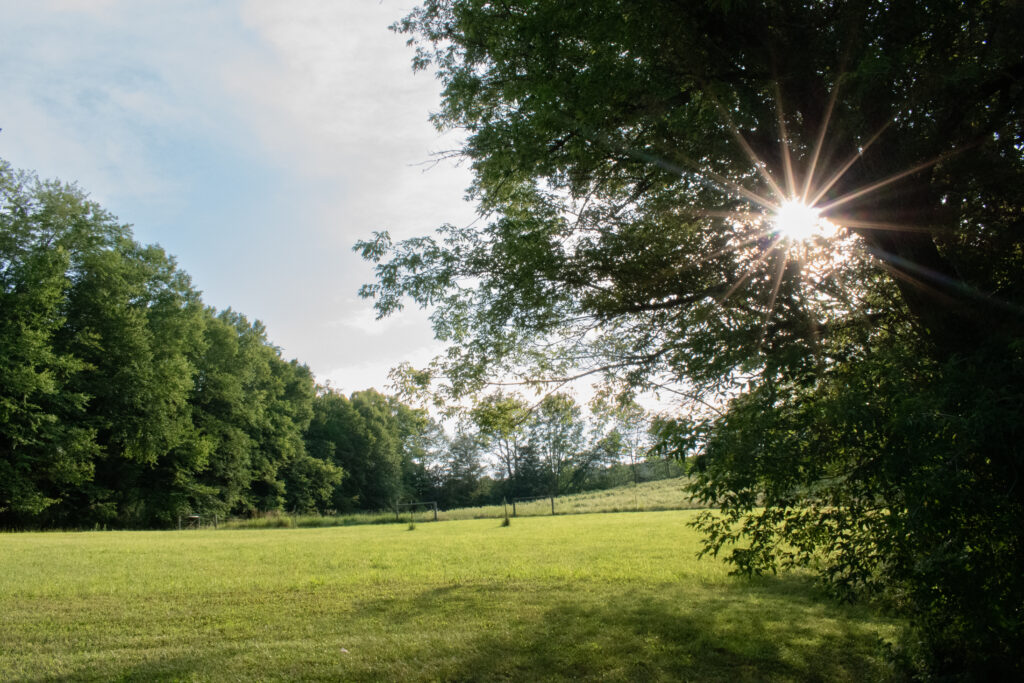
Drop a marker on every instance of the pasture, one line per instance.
(664, 494)
(614, 597)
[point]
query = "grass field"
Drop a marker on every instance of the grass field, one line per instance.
(616, 597)
(666, 494)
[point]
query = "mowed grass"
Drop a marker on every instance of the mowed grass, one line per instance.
(616, 597)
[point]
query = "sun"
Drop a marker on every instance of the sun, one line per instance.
(796, 221)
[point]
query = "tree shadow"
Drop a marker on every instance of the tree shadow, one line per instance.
(771, 629)
(762, 630)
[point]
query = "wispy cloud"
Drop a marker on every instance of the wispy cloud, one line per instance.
(255, 139)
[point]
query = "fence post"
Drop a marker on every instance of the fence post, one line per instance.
(435, 511)
(513, 507)
(552, 505)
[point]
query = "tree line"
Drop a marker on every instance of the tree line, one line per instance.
(125, 401)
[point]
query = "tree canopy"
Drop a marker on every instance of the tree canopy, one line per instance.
(634, 164)
(126, 402)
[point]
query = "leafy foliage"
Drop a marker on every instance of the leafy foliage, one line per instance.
(861, 385)
(46, 450)
(124, 401)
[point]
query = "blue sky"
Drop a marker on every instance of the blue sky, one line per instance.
(255, 140)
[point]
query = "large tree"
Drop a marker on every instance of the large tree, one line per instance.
(806, 215)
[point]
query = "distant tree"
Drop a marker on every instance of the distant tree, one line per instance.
(629, 426)
(382, 458)
(604, 450)
(137, 322)
(555, 433)
(253, 408)
(462, 472)
(364, 436)
(501, 423)
(337, 434)
(422, 444)
(310, 484)
(225, 406)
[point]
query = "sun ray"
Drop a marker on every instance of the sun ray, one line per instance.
(759, 165)
(736, 246)
(849, 222)
(780, 269)
(697, 171)
(850, 196)
(749, 271)
(820, 142)
(753, 238)
(787, 160)
(846, 167)
(736, 216)
(890, 261)
(707, 177)
(917, 282)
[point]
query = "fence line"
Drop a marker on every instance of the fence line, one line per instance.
(528, 499)
(424, 503)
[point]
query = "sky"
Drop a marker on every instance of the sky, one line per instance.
(255, 141)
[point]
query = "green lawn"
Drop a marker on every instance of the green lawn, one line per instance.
(614, 597)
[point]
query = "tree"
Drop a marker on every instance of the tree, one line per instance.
(310, 484)
(46, 452)
(363, 436)
(101, 367)
(383, 455)
(123, 400)
(501, 422)
(422, 444)
(639, 165)
(226, 406)
(462, 472)
(556, 432)
(253, 408)
(136, 321)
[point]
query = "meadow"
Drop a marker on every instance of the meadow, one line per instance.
(664, 494)
(609, 597)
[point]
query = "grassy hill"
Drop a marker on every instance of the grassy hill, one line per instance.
(666, 494)
(612, 597)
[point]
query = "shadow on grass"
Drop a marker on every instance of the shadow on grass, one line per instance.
(762, 630)
(773, 629)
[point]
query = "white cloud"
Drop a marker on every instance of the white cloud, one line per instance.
(345, 80)
(254, 139)
(362, 374)
(93, 90)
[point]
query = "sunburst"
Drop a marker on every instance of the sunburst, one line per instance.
(791, 222)
(797, 221)
(797, 215)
